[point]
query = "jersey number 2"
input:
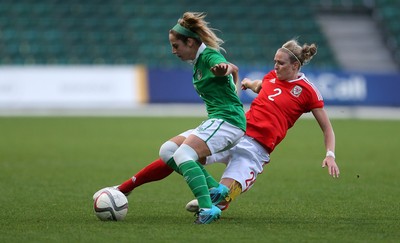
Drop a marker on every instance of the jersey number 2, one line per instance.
(278, 92)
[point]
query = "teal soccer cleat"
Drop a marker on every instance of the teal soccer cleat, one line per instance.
(206, 216)
(218, 194)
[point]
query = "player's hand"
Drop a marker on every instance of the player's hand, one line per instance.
(333, 169)
(245, 83)
(220, 69)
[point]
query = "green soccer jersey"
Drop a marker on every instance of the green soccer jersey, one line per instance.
(218, 93)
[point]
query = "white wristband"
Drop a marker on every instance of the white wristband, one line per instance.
(330, 154)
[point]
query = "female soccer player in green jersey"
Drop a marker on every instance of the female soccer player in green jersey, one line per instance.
(214, 80)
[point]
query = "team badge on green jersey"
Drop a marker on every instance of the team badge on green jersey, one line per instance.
(198, 74)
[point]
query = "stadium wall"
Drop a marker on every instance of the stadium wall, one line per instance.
(337, 88)
(38, 87)
(125, 87)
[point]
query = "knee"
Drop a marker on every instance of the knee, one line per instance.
(185, 153)
(167, 150)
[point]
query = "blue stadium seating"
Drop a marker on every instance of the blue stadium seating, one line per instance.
(136, 31)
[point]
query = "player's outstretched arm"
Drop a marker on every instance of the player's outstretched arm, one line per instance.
(255, 85)
(329, 138)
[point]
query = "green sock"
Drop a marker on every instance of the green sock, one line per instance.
(197, 182)
(211, 182)
(171, 163)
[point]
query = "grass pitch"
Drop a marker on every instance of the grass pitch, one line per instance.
(51, 166)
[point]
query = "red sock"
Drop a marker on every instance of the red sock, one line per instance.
(155, 171)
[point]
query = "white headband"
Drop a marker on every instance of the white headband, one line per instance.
(292, 54)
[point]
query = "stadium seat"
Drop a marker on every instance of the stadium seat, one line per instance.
(136, 32)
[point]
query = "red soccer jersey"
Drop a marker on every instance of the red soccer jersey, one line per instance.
(278, 106)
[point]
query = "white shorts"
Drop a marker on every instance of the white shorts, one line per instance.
(244, 161)
(218, 134)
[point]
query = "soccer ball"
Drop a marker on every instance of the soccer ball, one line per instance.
(111, 204)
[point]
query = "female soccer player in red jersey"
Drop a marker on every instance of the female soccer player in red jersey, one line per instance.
(284, 94)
